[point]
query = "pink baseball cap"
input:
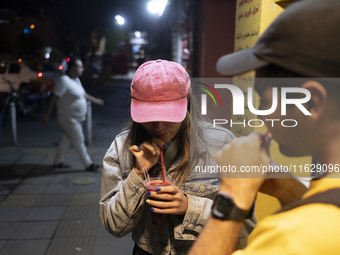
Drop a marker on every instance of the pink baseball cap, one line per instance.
(159, 92)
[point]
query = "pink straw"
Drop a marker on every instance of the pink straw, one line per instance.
(162, 160)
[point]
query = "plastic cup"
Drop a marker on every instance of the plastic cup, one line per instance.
(151, 185)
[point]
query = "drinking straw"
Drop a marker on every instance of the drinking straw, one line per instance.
(266, 134)
(146, 175)
(264, 137)
(162, 160)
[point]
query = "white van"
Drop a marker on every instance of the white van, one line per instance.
(17, 74)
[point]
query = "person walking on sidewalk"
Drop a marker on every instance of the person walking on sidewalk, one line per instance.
(70, 97)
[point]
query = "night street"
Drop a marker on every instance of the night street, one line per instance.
(107, 120)
(47, 211)
(224, 120)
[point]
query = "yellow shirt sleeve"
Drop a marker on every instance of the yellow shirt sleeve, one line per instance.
(312, 229)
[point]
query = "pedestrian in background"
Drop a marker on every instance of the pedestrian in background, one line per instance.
(70, 97)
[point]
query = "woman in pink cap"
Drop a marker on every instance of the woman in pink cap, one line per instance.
(161, 121)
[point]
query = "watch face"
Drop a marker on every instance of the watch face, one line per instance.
(222, 206)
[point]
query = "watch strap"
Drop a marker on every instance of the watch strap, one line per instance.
(224, 208)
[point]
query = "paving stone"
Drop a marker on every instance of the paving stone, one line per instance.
(67, 176)
(32, 158)
(92, 188)
(70, 170)
(22, 170)
(2, 244)
(20, 200)
(11, 181)
(2, 198)
(7, 229)
(54, 200)
(13, 214)
(45, 214)
(88, 212)
(35, 230)
(77, 228)
(38, 179)
(31, 188)
(61, 188)
(25, 247)
(101, 231)
(116, 245)
(43, 170)
(64, 183)
(72, 246)
(85, 199)
(10, 154)
(4, 189)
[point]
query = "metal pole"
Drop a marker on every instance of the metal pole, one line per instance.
(14, 123)
(89, 123)
(0, 130)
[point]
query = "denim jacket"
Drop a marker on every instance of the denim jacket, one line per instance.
(123, 208)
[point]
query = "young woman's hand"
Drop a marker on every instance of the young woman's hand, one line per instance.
(147, 155)
(168, 200)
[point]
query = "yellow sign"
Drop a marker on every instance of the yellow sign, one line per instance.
(252, 18)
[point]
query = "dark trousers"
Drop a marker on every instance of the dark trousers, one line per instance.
(139, 251)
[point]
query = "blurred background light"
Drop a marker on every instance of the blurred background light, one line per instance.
(120, 20)
(157, 7)
(27, 31)
(137, 34)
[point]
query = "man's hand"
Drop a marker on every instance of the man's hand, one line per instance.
(247, 151)
(220, 237)
(99, 101)
(94, 100)
(286, 190)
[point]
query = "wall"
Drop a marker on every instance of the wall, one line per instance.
(217, 19)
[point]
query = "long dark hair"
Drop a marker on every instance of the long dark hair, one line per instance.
(187, 149)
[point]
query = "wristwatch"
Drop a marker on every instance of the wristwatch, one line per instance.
(224, 208)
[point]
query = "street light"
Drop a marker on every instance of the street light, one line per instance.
(157, 7)
(120, 20)
(138, 34)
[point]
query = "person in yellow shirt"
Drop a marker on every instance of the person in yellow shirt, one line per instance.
(302, 42)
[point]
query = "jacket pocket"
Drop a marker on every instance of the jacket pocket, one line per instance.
(201, 187)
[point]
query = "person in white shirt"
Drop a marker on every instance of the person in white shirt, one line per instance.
(70, 98)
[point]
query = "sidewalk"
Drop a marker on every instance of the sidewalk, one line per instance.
(44, 211)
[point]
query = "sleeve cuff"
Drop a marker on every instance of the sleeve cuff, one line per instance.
(134, 181)
(191, 219)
